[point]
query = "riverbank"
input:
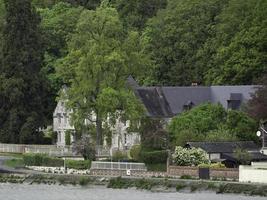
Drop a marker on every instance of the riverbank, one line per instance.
(92, 192)
(152, 184)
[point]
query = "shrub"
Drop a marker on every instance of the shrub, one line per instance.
(78, 164)
(42, 160)
(119, 156)
(157, 167)
(189, 157)
(67, 137)
(212, 165)
(153, 157)
(180, 186)
(84, 181)
(135, 152)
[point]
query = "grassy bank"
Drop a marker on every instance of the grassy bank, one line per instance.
(21, 160)
(154, 184)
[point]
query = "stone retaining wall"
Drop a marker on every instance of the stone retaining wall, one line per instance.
(173, 171)
(177, 171)
(135, 173)
(229, 173)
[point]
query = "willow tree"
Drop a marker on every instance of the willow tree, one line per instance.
(101, 57)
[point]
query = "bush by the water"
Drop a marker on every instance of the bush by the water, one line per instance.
(135, 152)
(212, 165)
(119, 156)
(42, 160)
(45, 160)
(78, 164)
(152, 157)
(189, 157)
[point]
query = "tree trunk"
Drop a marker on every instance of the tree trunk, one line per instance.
(98, 131)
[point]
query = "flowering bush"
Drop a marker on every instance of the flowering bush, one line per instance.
(189, 157)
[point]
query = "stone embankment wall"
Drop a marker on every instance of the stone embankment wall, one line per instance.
(173, 171)
(135, 173)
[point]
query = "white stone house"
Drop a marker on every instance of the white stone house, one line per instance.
(61, 123)
(121, 138)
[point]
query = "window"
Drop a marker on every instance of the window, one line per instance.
(188, 105)
(234, 102)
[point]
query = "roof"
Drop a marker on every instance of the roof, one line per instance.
(166, 102)
(154, 101)
(254, 156)
(224, 147)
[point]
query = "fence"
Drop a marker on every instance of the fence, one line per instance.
(51, 150)
(118, 166)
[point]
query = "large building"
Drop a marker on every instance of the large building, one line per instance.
(160, 102)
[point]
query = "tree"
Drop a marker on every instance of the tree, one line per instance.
(153, 134)
(239, 45)
(89, 4)
(2, 21)
(58, 24)
(101, 56)
(257, 106)
(175, 37)
(135, 13)
(22, 89)
(242, 156)
(208, 122)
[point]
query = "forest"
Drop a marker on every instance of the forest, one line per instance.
(92, 46)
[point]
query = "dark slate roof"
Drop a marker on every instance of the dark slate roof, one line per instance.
(155, 103)
(166, 102)
(254, 156)
(224, 147)
(177, 97)
(131, 82)
(236, 96)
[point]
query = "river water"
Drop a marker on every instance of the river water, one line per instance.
(56, 192)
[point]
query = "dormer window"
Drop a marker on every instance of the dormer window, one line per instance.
(188, 105)
(234, 102)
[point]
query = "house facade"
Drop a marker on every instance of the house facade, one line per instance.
(161, 103)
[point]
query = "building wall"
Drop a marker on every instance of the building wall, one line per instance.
(121, 139)
(252, 174)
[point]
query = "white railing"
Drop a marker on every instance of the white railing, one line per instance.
(118, 166)
(52, 150)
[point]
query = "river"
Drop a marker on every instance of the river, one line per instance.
(56, 192)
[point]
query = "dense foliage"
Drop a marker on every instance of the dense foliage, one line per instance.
(189, 157)
(210, 42)
(23, 90)
(208, 122)
(93, 45)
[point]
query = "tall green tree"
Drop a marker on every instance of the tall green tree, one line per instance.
(22, 89)
(101, 57)
(176, 35)
(58, 24)
(208, 122)
(237, 52)
(135, 13)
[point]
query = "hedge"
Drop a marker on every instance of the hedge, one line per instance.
(42, 160)
(78, 164)
(153, 157)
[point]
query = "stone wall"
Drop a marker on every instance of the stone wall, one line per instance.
(229, 173)
(135, 173)
(177, 171)
(173, 171)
